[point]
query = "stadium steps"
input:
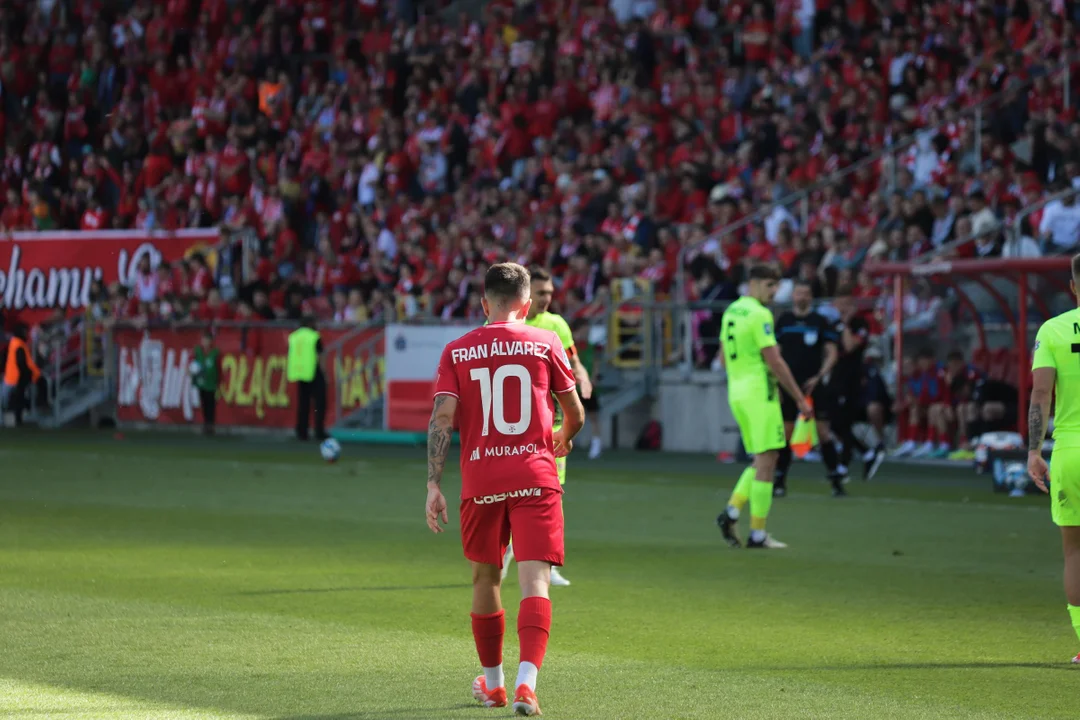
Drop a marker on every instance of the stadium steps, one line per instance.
(622, 392)
(368, 417)
(72, 402)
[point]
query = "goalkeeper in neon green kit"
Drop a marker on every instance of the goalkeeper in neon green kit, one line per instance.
(1055, 369)
(542, 290)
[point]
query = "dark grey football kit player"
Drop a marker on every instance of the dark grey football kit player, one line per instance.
(809, 344)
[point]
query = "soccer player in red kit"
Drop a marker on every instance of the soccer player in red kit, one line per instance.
(499, 381)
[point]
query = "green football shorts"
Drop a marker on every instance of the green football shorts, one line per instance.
(761, 424)
(560, 463)
(1065, 486)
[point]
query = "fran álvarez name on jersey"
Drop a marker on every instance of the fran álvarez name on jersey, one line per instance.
(498, 348)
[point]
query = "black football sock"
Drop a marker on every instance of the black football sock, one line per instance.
(783, 464)
(845, 451)
(828, 455)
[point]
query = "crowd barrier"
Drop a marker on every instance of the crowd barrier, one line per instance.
(154, 382)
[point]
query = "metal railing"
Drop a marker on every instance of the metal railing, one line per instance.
(671, 334)
(1030, 209)
(1013, 231)
(889, 154)
(65, 357)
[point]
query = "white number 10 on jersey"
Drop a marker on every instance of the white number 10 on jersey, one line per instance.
(491, 398)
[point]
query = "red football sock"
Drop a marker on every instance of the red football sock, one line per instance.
(534, 627)
(488, 633)
(934, 435)
(918, 434)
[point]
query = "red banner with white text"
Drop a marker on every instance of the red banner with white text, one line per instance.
(41, 271)
(154, 380)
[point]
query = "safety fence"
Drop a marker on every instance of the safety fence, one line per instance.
(154, 382)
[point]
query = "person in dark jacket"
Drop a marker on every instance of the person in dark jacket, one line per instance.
(21, 373)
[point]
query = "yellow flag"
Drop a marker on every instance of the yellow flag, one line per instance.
(804, 437)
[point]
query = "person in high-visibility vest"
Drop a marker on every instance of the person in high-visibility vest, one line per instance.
(304, 369)
(21, 374)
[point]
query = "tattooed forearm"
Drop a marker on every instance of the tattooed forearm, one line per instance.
(440, 431)
(1036, 426)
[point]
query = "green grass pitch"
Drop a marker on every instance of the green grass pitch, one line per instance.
(168, 577)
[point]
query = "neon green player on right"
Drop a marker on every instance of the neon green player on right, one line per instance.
(543, 289)
(1055, 369)
(749, 352)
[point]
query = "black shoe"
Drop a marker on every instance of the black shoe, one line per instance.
(769, 543)
(837, 481)
(779, 491)
(727, 528)
(870, 468)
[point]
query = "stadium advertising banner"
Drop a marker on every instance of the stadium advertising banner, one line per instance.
(412, 360)
(154, 383)
(41, 271)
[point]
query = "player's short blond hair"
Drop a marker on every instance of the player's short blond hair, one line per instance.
(507, 281)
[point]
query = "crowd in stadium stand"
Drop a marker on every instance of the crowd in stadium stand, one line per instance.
(383, 153)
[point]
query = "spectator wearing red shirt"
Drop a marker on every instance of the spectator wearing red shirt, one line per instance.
(669, 104)
(757, 36)
(201, 280)
(760, 249)
(233, 167)
(96, 217)
(15, 215)
(213, 308)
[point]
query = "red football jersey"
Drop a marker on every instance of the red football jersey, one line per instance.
(503, 375)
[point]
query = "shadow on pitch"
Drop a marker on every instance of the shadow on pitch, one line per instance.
(383, 713)
(357, 588)
(927, 666)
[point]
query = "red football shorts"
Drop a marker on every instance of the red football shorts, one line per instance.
(534, 517)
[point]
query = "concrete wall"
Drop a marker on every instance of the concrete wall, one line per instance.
(694, 413)
(625, 429)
